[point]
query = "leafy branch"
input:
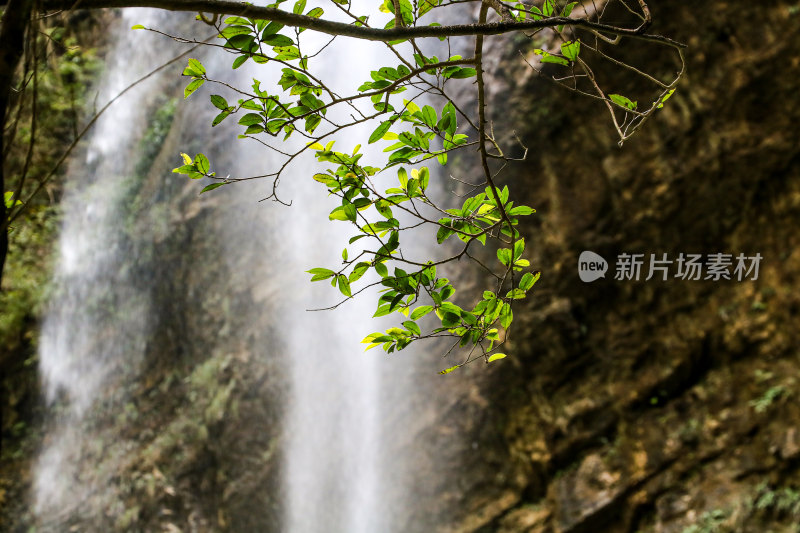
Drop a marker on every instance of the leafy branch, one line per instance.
(413, 287)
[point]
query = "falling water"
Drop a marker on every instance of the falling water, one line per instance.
(347, 411)
(96, 324)
(347, 414)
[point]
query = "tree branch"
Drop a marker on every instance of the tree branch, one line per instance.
(360, 32)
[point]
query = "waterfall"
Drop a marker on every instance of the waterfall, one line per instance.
(97, 321)
(349, 419)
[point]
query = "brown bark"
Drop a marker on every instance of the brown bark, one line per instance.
(287, 18)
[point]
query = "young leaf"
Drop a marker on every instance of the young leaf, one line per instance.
(622, 101)
(528, 280)
(571, 49)
(197, 67)
(202, 163)
(344, 285)
(495, 357)
(665, 98)
(319, 274)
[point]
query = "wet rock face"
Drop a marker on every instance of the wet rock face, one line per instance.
(656, 405)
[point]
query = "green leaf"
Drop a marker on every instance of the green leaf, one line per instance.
(219, 118)
(506, 316)
(464, 73)
(271, 29)
(429, 116)
(496, 357)
(447, 292)
(278, 40)
(212, 187)
(519, 247)
(424, 178)
(251, 119)
(351, 212)
(448, 370)
(319, 274)
(202, 163)
(566, 12)
(358, 271)
(239, 61)
(380, 131)
(241, 21)
(138, 27)
(622, 101)
(344, 285)
(233, 31)
(343, 212)
(8, 199)
(381, 269)
(412, 327)
(515, 294)
(450, 319)
(547, 57)
(568, 9)
(197, 66)
(219, 102)
(186, 169)
(469, 318)
(421, 311)
(504, 255)
(252, 130)
(521, 210)
(571, 49)
(192, 87)
(528, 280)
(665, 98)
(316, 13)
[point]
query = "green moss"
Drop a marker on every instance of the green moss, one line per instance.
(153, 139)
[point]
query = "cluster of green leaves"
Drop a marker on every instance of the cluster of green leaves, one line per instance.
(569, 53)
(403, 291)
(549, 9)
(414, 145)
(409, 13)
(262, 41)
(420, 133)
(414, 133)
